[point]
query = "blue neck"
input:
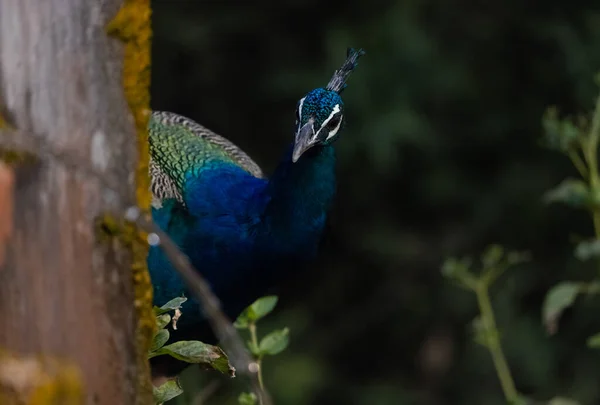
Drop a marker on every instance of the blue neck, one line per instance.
(268, 233)
(300, 195)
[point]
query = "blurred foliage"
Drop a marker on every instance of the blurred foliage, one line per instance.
(494, 262)
(440, 155)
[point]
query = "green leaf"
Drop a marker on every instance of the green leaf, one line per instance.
(457, 269)
(161, 337)
(241, 322)
(263, 306)
(172, 305)
(572, 192)
(562, 401)
(257, 310)
(560, 134)
(594, 341)
(162, 320)
(570, 132)
(514, 258)
(253, 347)
(560, 297)
(275, 342)
(193, 351)
(167, 391)
(587, 249)
(492, 256)
(247, 398)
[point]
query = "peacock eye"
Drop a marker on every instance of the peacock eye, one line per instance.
(333, 126)
(334, 122)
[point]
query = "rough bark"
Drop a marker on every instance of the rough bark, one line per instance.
(63, 293)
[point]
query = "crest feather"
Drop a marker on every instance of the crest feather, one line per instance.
(338, 81)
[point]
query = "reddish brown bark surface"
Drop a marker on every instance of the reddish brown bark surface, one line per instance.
(63, 293)
(6, 206)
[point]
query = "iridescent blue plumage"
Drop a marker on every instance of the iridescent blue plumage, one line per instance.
(319, 103)
(243, 232)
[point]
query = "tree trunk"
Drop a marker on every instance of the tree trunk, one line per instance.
(69, 323)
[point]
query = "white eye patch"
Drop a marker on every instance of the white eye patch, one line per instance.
(335, 130)
(300, 109)
(336, 109)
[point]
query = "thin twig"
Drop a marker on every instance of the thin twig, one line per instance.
(578, 163)
(207, 392)
(254, 339)
(595, 128)
(591, 157)
(222, 326)
(493, 342)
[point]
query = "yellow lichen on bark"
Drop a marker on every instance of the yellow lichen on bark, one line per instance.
(39, 381)
(15, 158)
(4, 122)
(132, 26)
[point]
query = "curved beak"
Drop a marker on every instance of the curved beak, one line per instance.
(304, 140)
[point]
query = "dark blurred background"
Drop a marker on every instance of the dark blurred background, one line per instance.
(440, 156)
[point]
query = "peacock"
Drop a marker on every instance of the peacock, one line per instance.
(244, 232)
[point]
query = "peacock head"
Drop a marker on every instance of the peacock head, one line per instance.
(320, 113)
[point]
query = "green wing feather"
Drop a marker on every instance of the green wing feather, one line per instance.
(178, 144)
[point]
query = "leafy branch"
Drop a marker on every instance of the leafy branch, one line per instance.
(494, 262)
(271, 344)
(578, 139)
(190, 351)
(213, 357)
